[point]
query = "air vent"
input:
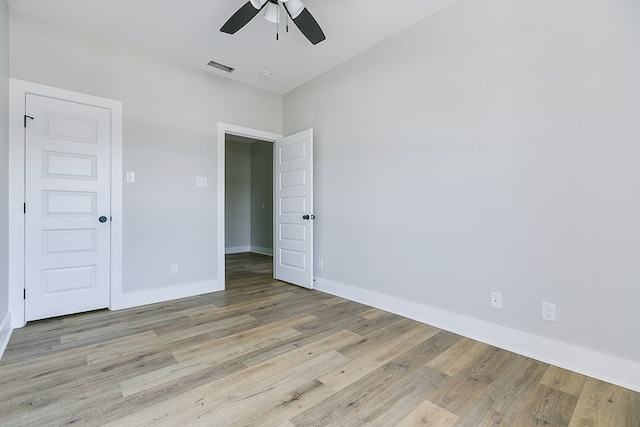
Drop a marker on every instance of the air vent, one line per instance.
(220, 66)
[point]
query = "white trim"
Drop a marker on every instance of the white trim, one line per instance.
(223, 129)
(237, 249)
(5, 333)
(262, 251)
(605, 367)
(18, 89)
(152, 296)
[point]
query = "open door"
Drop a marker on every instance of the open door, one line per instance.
(293, 219)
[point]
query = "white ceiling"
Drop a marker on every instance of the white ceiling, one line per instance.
(187, 31)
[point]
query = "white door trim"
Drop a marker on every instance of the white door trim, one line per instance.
(17, 98)
(223, 129)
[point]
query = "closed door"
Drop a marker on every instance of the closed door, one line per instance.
(67, 194)
(293, 230)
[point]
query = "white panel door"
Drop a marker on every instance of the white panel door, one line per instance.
(67, 186)
(293, 260)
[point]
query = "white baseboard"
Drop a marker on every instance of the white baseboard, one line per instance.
(152, 296)
(262, 251)
(243, 249)
(605, 367)
(5, 333)
(237, 249)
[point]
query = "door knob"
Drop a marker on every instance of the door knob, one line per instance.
(102, 219)
(308, 217)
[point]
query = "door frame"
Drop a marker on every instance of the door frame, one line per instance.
(223, 129)
(18, 89)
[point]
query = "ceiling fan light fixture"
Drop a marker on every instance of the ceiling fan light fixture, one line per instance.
(258, 3)
(272, 14)
(295, 7)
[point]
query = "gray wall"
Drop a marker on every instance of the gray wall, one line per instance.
(262, 196)
(237, 196)
(248, 196)
(493, 146)
(4, 159)
(171, 114)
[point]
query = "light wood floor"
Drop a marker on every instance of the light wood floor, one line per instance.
(266, 353)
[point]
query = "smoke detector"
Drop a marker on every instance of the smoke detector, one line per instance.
(265, 74)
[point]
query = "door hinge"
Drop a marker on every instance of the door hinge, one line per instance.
(25, 119)
(24, 294)
(25, 207)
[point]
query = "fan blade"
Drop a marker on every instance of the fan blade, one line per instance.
(241, 18)
(307, 24)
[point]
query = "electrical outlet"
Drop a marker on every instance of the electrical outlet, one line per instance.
(320, 263)
(496, 300)
(548, 311)
(174, 268)
(131, 176)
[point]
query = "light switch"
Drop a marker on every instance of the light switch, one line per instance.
(201, 181)
(131, 176)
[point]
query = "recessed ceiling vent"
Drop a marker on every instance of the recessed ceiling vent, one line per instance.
(220, 66)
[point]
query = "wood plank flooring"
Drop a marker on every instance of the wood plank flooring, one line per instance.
(265, 353)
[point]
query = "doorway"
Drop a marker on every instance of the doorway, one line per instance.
(292, 240)
(248, 195)
(234, 132)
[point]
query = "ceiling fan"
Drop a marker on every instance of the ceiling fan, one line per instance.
(298, 12)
